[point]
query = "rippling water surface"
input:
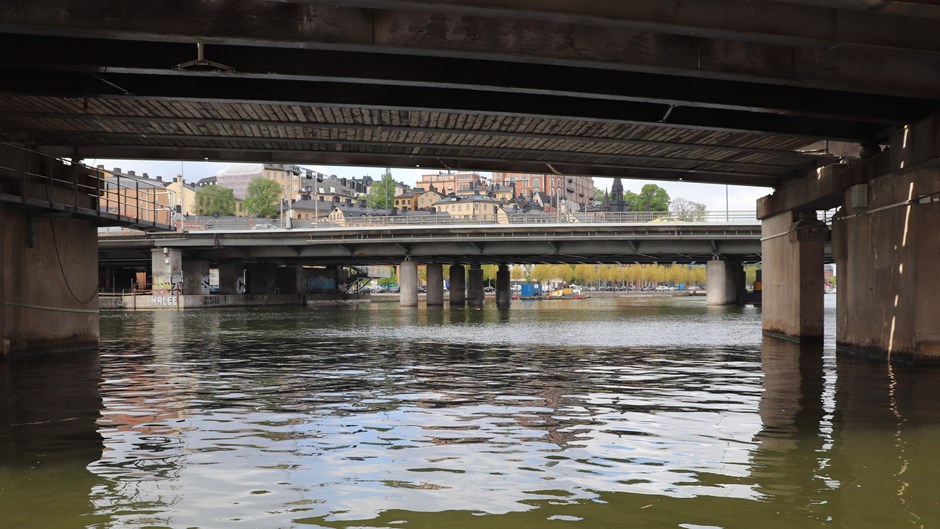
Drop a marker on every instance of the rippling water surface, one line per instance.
(640, 412)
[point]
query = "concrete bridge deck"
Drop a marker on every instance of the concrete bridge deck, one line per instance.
(487, 243)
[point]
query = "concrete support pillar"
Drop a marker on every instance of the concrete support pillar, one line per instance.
(233, 278)
(724, 283)
(262, 278)
(166, 268)
(887, 252)
(475, 286)
(408, 284)
(288, 280)
(503, 287)
(792, 249)
(458, 286)
(195, 277)
(435, 275)
(48, 283)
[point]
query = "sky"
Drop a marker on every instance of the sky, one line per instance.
(739, 198)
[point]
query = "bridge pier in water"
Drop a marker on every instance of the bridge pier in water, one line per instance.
(724, 283)
(48, 254)
(503, 287)
(887, 251)
(475, 286)
(408, 284)
(48, 283)
(457, 286)
(435, 276)
(793, 246)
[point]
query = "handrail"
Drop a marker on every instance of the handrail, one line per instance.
(89, 190)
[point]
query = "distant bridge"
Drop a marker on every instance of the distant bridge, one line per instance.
(555, 242)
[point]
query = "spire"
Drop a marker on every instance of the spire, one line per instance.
(616, 190)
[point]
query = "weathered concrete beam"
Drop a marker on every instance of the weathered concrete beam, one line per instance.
(730, 39)
(744, 20)
(915, 147)
(260, 62)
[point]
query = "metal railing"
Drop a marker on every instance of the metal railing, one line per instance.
(37, 180)
(629, 217)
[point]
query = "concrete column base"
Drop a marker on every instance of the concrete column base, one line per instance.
(435, 295)
(887, 255)
(408, 284)
(458, 286)
(792, 249)
(48, 284)
(262, 278)
(724, 283)
(233, 278)
(196, 277)
(503, 288)
(475, 286)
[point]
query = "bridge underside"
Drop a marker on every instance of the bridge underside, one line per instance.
(732, 92)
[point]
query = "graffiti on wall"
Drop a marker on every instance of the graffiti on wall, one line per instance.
(321, 284)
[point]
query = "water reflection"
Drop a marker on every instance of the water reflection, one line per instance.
(375, 417)
(48, 435)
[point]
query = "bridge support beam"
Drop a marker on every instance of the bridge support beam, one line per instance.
(503, 287)
(475, 286)
(435, 276)
(262, 278)
(887, 252)
(458, 286)
(166, 266)
(48, 283)
(195, 277)
(233, 278)
(408, 284)
(724, 283)
(792, 248)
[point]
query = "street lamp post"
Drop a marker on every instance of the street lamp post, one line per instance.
(727, 213)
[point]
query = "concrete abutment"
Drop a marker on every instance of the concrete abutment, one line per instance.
(887, 250)
(48, 283)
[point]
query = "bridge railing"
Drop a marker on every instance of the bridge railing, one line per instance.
(39, 181)
(629, 217)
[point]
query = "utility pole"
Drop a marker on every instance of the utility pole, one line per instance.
(727, 213)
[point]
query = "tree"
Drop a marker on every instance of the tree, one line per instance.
(382, 192)
(687, 210)
(651, 198)
(599, 194)
(489, 273)
(263, 198)
(215, 200)
(388, 282)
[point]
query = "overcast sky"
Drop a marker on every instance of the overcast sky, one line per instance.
(740, 198)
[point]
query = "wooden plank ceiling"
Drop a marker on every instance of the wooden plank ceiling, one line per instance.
(722, 91)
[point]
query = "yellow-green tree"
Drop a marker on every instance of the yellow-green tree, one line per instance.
(489, 273)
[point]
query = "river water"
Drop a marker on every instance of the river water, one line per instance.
(624, 412)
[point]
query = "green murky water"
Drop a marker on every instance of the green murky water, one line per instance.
(620, 413)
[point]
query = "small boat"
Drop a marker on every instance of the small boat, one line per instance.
(566, 293)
